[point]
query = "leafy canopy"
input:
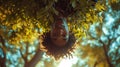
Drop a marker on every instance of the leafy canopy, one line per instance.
(25, 20)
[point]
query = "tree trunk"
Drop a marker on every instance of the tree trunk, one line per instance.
(35, 59)
(3, 60)
(107, 57)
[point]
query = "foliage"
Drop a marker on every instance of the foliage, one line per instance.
(103, 38)
(23, 21)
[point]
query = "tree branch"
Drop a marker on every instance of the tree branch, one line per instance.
(105, 48)
(21, 54)
(3, 47)
(36, 58)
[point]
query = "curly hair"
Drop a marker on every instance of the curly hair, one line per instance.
(56, 51)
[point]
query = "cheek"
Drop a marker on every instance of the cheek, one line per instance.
(54, 33)
(64, 33)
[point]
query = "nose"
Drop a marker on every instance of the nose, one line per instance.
(61, 32)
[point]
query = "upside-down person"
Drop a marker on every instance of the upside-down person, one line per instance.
(59, 41)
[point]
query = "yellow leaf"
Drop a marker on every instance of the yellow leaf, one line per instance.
(87, 15)
(14, 27)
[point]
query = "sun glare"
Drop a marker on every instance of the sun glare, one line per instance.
(68, 62)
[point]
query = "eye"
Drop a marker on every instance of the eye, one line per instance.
(54, 34)
(54, 38)
(63, 35)
(64, 38)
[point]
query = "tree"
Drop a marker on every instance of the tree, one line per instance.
(19, 18)
(102, 40)
(23, 21)
(3, 57)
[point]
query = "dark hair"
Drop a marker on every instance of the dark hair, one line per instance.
(56, 51)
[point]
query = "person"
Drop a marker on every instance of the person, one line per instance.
(59, 41)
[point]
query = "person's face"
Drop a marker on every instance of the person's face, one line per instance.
(59, 32)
